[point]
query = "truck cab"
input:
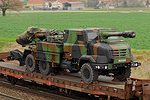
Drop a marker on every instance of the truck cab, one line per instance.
(98, 52)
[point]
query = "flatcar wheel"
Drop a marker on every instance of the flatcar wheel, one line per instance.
(12, 80)
(44, 67)
(30, 63)
(2, 61)
(88, 73)
(122, 74)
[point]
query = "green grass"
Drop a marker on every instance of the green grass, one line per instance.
(14, 24)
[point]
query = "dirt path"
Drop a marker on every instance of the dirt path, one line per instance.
(90, 11)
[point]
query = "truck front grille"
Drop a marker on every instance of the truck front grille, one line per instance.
(120, 53)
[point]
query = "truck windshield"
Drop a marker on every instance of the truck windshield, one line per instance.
(115, 39)
(92, 36)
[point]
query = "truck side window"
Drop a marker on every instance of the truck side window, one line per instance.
(80, 39)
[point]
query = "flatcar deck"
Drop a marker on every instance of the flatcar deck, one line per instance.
(12, 65)
(104, 86)
(63, 81)
(103, 80)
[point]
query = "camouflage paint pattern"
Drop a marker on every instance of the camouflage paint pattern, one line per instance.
(50, 52)
(120, 49)
(75, 46)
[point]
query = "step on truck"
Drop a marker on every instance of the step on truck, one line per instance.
(90, 51)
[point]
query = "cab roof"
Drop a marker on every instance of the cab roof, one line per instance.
(79, 29)
(91, 28)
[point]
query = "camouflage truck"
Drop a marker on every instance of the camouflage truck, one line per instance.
(92, 51)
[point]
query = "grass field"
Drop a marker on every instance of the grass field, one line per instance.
(14, 24)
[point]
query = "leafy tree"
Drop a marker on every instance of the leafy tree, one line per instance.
(10, 4)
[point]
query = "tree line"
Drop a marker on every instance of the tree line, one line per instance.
(10, 4)
(117, 3)
(17, 4)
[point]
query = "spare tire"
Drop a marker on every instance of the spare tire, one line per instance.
(88, 73)
(30, 63)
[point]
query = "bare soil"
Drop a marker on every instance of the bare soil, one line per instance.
(143, 71)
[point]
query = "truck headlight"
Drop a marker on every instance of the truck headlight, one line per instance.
(135, 64)
(106, 67)
(98, 67)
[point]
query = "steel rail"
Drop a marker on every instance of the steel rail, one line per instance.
(9, 97)
(25, 88)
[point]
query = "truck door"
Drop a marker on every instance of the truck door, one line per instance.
(75, 47)
(79, 48)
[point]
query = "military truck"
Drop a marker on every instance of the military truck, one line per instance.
(90, 51)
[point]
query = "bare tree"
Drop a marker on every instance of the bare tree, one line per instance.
(116, 3)
(125, 4)
(147, 3)
(10, 4)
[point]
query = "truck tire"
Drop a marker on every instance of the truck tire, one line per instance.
(88, 73)
(30, 63)
(44, 67)
(122, 74)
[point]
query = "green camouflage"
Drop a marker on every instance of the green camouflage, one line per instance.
(74, 44)
(49, 52)
(103, 48)
(72, 47)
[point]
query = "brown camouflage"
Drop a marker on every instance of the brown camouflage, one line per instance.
(50, 52)
(74, 44)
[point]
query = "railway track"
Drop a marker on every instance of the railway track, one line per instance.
(70, 86)
(29, 90)
(41, 91)
(7, 97)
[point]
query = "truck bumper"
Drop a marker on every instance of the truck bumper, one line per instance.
(115, 66)
(135, 64)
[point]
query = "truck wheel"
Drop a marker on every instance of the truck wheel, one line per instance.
(122, 74)
(44, 67)
(30, 63)
(88, 73)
